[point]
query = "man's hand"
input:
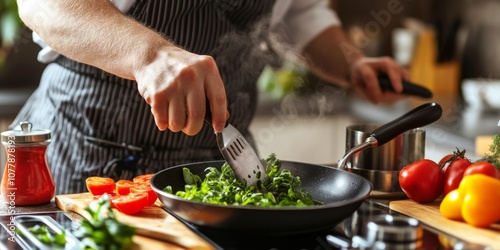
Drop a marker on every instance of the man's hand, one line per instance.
(176, 84)
(364, 74)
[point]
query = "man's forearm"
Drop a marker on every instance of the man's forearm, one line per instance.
(330, 56)
(93, 32)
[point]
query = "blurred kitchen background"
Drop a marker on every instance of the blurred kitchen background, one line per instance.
(445, 44)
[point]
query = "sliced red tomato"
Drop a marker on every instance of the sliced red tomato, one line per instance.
(145, 178)
(123, 186)
(145, 188)
(97, 197)
(100, 185)
(131, 203)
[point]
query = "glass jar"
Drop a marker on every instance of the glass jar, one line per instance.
(26, 179)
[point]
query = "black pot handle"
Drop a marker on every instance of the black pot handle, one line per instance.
(418, 117)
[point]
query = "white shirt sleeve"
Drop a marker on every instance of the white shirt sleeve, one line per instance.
(300, 21)
(123, 5)
(47, 54)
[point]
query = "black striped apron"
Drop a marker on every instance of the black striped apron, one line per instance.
(80, 103)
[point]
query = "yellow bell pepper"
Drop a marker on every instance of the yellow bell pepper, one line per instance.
(476, 201)
(451, 206)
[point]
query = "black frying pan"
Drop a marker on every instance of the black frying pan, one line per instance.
(341, 192)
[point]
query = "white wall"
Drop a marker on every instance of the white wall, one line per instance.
(314, 139)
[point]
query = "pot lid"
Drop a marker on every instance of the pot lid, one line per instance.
(26, 134)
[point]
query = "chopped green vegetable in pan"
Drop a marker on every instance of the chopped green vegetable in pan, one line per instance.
(281, 188)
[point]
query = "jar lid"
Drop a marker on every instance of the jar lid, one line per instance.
(26, 134)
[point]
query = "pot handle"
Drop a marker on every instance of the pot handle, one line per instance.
(420, 116)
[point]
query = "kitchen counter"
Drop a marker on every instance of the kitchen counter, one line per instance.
(6, 209)
(154, 228)
(351, 226)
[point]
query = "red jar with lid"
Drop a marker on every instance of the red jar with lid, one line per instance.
(26, 179)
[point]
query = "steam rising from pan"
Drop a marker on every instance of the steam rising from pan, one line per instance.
(248, 52)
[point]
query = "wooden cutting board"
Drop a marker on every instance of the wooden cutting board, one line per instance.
(429, 214)
(151, 223)
(483, 143)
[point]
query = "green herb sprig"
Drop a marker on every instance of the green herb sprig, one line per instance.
(494, 157)
(101, 230)
(47, 236)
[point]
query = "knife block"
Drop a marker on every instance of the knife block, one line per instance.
(443, 79)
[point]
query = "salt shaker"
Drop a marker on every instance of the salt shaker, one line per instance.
(27, 179)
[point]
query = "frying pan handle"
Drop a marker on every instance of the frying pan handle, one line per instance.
(409, 88)
(420, 116)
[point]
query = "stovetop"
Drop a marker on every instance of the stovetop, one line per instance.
(345, 231)
(355, 225)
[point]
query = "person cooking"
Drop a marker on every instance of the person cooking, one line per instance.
(128, 82)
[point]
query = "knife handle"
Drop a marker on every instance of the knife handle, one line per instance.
(409, 88)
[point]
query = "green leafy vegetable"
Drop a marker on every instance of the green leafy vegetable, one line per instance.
(494, 156)
(101, 230)
(282, 81)
(281, 188)
(47, 236)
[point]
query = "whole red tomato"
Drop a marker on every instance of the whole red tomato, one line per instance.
(454, 173)
(422, 181)
(483, 167)
(445, 161)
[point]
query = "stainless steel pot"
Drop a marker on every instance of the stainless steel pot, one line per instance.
(381, 165)
(388, 148)
(392, 156)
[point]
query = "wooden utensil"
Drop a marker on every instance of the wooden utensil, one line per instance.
(152, 222)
